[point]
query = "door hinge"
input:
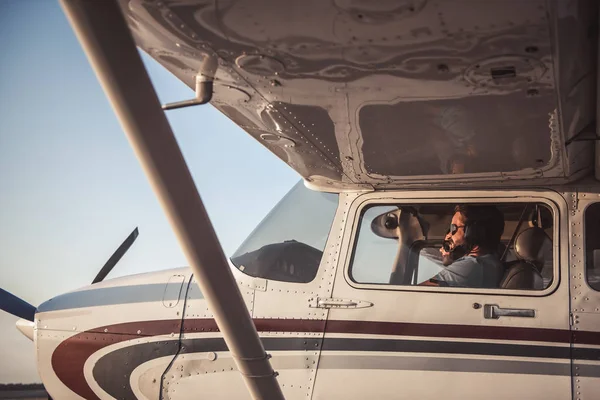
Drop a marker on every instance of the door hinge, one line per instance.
(319, 302)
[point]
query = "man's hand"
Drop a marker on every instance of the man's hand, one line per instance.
(429, 282)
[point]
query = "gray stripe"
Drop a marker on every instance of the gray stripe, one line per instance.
(420, 363)
(116, 295)
(274, 344)
(442, 347)
(586, 353)
(586, 370)
(113, 370)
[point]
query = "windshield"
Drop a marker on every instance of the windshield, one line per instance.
(288, 244)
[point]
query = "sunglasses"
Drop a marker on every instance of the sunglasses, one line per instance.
(454, 228)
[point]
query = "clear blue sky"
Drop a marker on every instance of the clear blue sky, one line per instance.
(71, 188)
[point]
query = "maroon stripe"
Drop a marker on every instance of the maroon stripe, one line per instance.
(261, 324)
(70, 356)
(450, 331)
(404, 329)
(586, 337)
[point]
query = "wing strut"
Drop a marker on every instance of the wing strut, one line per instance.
(105, 37)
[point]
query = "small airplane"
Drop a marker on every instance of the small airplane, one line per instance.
(393, 113)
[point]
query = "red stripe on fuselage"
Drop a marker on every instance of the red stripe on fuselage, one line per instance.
(451, 331)
(70, 356)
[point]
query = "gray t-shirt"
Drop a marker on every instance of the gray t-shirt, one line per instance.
(475, 272)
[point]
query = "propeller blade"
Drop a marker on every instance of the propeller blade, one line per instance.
(15, 306)
(114, 259)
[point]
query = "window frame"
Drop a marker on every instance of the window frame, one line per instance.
(552, 200)
(585, 250)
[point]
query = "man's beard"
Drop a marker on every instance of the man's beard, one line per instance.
(454, 254)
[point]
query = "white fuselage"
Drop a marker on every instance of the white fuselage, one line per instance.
(136, 336)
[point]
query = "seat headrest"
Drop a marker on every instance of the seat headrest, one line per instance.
(522, 275)
(530, 245)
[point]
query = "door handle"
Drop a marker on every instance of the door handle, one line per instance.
(492, 311)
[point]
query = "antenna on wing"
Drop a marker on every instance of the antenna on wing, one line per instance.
(204, 85)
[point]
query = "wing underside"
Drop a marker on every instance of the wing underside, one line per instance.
(355, 94)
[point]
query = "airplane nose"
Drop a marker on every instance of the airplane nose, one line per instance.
(26, 328)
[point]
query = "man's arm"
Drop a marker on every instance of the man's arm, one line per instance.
(458, 273)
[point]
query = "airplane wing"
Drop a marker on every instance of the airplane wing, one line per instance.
(383, 94)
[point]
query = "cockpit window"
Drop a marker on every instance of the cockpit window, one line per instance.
(502, 246)
(288, 244)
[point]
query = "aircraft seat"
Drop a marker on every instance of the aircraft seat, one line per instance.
(524, 273)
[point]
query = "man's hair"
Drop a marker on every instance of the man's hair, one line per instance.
(486, 223)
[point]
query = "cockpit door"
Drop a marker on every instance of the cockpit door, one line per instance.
(392, 341)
